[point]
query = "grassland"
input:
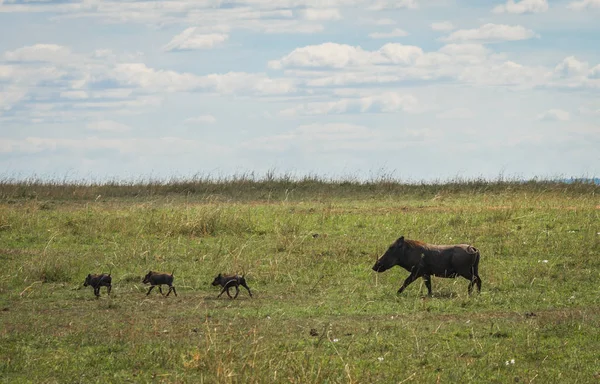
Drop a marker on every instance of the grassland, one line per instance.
(320, 314)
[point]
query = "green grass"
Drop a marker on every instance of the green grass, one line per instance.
(320, 314)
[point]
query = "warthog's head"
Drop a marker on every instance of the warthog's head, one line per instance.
(88, 280)
(147, 277)
(217, 280)
(390, 257)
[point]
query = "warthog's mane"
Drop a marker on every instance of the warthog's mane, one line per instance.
(415, 244)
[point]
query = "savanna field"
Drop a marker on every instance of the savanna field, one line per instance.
(319, 314)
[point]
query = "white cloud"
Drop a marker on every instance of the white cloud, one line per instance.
(523, 6)
(281, 27)
(457, 113)
(314, 14)
(584, 4)
(397, 32)
(30, 75)
(40, 52)
(202, 119)
(443, 26)
(595, 72)
(335, 137)
(211, 16)
(571, 67)
(467, 63)
(590, 109)
(554, 115)
(393, 53)
(385, 102)
(108, 126)
(506, 73)
(315, 137)
(468, 49)
(382, 21)
(491, 33)
(139, 75)
(324, 55)
(76, 111)
(572, 73)
(190, 40)
(112, 93)
(77, 95)
(72, 84)
(135, 146)
(335, 55)
(252, 83)
(379, 5)
(10, 96)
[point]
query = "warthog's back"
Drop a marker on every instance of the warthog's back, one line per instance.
(449, 260)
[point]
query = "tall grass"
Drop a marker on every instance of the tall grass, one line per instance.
(248, 187)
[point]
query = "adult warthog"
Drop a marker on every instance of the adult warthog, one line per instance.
(426, 260)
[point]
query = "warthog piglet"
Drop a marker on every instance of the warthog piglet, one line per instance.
(228, 281)
(97, 281)
(158, 279)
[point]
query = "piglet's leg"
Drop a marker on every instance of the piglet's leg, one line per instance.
(248, 288)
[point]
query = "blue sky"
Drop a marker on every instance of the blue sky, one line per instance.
(420, 89)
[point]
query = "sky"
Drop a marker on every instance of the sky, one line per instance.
(411, 89)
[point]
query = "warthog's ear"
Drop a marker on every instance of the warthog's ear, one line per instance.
(89, 275)
(400, 240)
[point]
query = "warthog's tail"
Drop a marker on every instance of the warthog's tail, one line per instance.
(475, 279)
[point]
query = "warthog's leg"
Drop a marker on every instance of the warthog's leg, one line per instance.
(160, 289)
(225, 288)
(427, 279)
(228, 285)
(246, 286)
(237, 291)
(174, 290)
(97, 291)
(151, 287)
(108, 289)
(412, 277)
(475, 279)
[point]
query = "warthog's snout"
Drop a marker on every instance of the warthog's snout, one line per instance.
(377, 267)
